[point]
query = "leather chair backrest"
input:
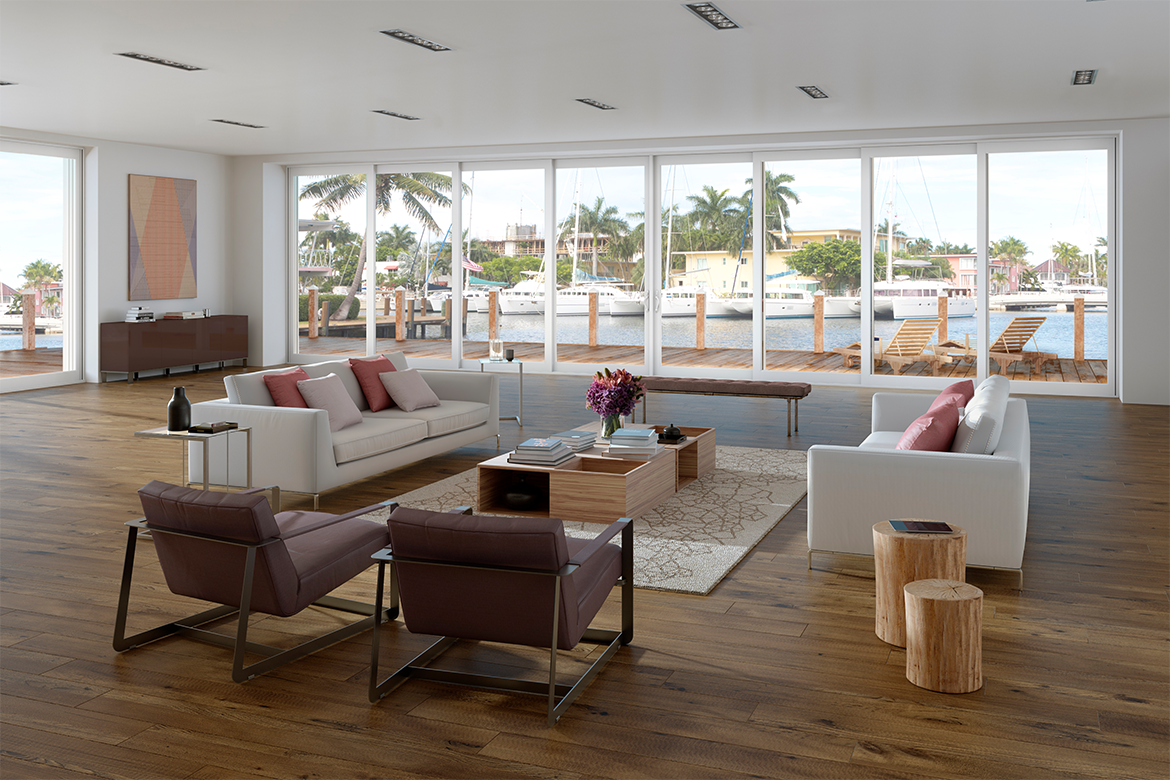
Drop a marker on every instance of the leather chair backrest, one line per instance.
(479, 603)
(214, 571)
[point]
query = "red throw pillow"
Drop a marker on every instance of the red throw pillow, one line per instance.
(283, 387)
(933, 431)
(366, 370)
(962, 392)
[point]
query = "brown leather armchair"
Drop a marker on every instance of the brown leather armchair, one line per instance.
(229, 548)
(517, 580)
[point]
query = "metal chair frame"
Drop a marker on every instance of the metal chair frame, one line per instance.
(190, 626)
(560, 696)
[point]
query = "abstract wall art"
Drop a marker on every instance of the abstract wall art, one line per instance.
(162, 238)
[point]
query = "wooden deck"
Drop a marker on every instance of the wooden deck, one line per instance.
(1078, 371)
(776, 673)
(26, 362)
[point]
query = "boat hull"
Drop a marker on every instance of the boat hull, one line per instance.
(925, 308)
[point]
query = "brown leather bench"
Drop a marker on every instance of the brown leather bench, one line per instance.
(751, 388)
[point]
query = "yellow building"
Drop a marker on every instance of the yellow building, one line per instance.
(719, 270)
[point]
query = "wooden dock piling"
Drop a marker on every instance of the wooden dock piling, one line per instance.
(819, 323)
(1078, 328)
(493, 314)
(312, 312)
(700, 320)
(593, 309)
(400, 315)
(942, 319)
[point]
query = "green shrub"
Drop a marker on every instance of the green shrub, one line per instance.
(333, 300)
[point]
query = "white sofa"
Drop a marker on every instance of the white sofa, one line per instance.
(851, 488)
(294, 448)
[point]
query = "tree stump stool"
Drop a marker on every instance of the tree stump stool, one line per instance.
(900, 558)
(944, 636)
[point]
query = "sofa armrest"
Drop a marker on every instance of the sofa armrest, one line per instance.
(895, 411)
(288, 445)
(851, 488)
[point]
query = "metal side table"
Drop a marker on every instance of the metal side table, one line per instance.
(520, 366)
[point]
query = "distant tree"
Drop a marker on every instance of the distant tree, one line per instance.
(999, 278)
(399, 239)
(837, 264)
(947, 248)
(416, 191)
(777, 196)
(39, 274)
(599, 220)
(1029, 282)
(1010, 250)
(920, 246)
(1068, 255)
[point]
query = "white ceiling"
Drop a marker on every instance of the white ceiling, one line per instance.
(311, 71)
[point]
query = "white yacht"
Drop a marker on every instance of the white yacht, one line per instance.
(436, 299)
(680, 302)
(917, 299)
(477, 299)
(575, 299)
(628, 303)
(780, 302)
(842, 307)
(524, 297)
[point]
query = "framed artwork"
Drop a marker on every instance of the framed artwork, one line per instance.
(162, 238)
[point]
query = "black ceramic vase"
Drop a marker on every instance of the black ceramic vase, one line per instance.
(179, 411)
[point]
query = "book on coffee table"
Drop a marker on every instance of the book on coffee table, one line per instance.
(920, 527)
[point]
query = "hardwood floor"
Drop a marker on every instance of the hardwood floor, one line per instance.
(777, 673)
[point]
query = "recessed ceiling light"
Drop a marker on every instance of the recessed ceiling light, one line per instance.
(158, 60)
(239, 124)
(394, 114)
(712, 16)
(1084, 77)
(403, 35)
(595, 104)
(813, 92)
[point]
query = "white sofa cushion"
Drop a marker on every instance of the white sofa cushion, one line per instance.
(881, 440)
(375, 436)
(982, 424)
(449, 417)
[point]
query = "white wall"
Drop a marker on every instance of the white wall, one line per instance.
(111, 244)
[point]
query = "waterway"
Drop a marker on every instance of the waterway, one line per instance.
(1055, 335)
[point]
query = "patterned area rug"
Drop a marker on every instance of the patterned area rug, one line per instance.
(692, 540)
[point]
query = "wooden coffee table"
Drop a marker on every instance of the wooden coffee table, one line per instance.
(595, 489)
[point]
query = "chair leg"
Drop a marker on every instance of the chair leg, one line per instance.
(239, 645)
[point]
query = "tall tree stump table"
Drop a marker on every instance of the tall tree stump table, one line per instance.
(944, 636)
(900, 558)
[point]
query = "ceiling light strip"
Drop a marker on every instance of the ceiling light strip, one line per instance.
(239, 124)
(394, 114)
(158, 60)
(595, 104)
(813, 92)
(417, 40)
(712, 16)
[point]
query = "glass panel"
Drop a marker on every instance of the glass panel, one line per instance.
(706, 246)
(413, 263)
(330, 261)
(925, 211)
(1049, 246)
(503, 250)
(813, 250)
(600, 236)
(36, 228)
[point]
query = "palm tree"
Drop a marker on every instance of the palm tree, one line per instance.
(1068, 255)
(415, 190)
(1000, 279)
(777, 196)
(711, 209)
(395, 241)
(1011, 250)
(39, 273)
(598, 220)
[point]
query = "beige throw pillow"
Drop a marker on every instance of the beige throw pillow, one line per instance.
(409, 390)
(329, 393)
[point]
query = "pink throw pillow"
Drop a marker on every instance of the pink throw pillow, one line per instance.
(366, 370)
(962, 392)
(933, 431)
(283, 388)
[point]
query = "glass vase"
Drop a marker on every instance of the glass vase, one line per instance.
(495, 350)
(609, 424)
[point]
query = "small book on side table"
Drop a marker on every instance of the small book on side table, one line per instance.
(213, 427)
(920, 527)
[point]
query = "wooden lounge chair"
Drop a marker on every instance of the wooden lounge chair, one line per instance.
(908, 346)
(1009, 347)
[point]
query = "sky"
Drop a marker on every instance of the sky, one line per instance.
(1038, 197)
(32, 211)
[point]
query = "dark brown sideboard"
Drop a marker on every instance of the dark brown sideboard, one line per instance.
(129, 347)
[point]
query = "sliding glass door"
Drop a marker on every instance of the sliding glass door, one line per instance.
(40, 207)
